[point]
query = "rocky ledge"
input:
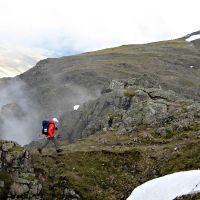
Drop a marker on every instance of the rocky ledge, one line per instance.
(17, 177)
(20, 180)
(128, 104)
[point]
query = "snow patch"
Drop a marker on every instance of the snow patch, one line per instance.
(76, 107)
(194, 37)
(168, 187)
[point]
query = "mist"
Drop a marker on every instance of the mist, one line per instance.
(23, 107)
(19, 116)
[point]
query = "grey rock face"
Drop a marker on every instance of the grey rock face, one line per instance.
(129, 105)
(193, 107)
(7, 146)
(35, 188)
(161, 131)
(153, 111)
(115, 84)
(2, 184)
(70, 194)
(18, 189)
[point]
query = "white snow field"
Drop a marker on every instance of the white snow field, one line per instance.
(194, 37)
(168, 187)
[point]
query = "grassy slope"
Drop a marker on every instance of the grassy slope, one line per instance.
(110, 166)
(189, 197)
(168, 59)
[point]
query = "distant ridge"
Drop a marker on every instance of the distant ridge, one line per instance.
(192, 34)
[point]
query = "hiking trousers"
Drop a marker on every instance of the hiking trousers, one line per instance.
(47, 142)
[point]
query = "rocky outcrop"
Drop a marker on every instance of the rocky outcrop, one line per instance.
(127, 104)
(21, 179)
(18, 180)
(12, 110)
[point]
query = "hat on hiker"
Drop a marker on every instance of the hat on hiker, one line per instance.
(55, 120)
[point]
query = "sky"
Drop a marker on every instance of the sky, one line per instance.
(63, 27)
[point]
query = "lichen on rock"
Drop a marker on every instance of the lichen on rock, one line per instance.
(18, 180)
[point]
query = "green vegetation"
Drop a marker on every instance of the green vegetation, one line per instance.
(109, 166)
(131, 49)
(186, 158)
(27, 176)
(129, 93)
(189, 197)
(16, 148)
(170, 134)
(5, 177)
(95, 175)
(192, 127)
(115, 115)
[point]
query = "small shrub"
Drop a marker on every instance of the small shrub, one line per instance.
(129, 93)
(190, 127)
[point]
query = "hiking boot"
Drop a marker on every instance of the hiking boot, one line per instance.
(59, 150)
(40, 150)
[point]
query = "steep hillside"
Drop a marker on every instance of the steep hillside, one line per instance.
(61, 83)
(110, 165)
(139, 118)
(54, 86)
(153, 132)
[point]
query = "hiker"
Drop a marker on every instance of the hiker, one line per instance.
(110, 121)
(49, 128)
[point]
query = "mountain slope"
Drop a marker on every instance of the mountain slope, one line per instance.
(150, 94)
(54, 86)
(169, 61)
(153, 133)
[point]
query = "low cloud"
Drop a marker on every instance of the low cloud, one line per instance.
(19, 116)
(65, 27)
